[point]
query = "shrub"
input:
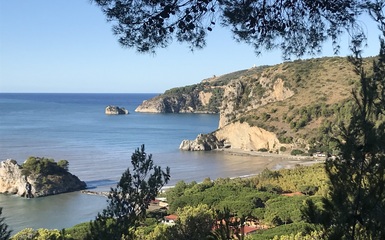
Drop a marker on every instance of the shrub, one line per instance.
(296, 152)
(262, 150)
(63, 164)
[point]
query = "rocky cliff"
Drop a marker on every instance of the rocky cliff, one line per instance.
(183, 103)
(204, 97)
(287, 105)
(234, 135)
(43, 181)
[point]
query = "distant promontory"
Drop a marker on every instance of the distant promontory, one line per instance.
(283, 108)
(37, 177)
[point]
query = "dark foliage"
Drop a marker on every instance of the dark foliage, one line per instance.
(356, 206)
(128, 202)
(44, 166)
(4, 232)
(297, 27)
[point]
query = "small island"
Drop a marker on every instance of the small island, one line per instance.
(38, 177)
(115, 110)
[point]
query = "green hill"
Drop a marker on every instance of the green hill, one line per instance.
(298, 101)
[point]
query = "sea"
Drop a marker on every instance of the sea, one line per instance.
(98, 147)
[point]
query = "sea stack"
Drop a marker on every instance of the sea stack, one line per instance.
(115, 110)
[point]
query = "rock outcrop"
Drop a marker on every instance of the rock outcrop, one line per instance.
(243, 136)
(194, 102)
(235, 135)
(245, 94)
(203, 142)
(13, 180)
(115, 110)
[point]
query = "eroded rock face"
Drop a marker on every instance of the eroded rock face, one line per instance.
(243, 136)
(13, 181)
(11, 178)
(115, 110)
(155, 105)
(235, 135)
(183, 103)
(273, 90)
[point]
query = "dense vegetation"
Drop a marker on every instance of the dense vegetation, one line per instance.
(44, 166)
(260, 198)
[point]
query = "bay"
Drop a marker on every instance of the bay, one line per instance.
(98, 147)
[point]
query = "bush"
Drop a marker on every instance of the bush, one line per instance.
(41, 233)
(63, 164)
(292, 228)
(78, 231)
(308, 189)
(282, 149)
(262, 150)
(296, 152)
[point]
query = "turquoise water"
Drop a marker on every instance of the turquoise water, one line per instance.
(98, 148)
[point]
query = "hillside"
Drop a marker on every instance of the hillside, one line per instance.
(288, 105)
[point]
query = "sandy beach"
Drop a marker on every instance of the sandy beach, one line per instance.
(274, 161)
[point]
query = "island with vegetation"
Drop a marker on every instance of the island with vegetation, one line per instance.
(38, 177)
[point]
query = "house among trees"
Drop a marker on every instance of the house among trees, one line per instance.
(170, 219)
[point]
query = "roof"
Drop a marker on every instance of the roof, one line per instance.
(248, 229)
(171, 217)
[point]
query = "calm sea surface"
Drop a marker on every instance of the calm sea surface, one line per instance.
(98, 148)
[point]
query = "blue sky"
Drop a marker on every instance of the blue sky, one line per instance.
(68, 46)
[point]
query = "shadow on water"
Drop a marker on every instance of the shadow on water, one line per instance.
(100, 183)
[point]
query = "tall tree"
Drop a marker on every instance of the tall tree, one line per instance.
(4, 232)
(193, 223)
(128, 202)
(355, 208)
(297, 27)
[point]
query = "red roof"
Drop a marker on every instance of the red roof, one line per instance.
(171, 217)
(248, 229)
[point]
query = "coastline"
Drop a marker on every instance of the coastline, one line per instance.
(275, 161)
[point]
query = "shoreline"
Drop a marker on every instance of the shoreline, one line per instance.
(285, 160)
(265, 160)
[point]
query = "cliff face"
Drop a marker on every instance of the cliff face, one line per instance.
(266, 107)
(244, 94)
(204, 97)
(11, 178)
(234, 135)
(183, 103)
(13, 181)
(241, 136)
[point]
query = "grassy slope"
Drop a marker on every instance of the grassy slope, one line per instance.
(320, 85)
